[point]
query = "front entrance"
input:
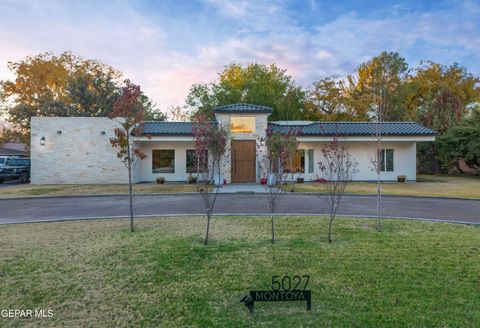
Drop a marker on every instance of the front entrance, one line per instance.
(243, 161)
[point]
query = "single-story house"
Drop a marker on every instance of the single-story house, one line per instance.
(77, 149)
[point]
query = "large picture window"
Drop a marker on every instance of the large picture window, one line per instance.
(192, 162)
(242, 124)
(297, 165)
(386, 160)
(163, 161)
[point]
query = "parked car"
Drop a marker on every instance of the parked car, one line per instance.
(15, 168)
(4, 159)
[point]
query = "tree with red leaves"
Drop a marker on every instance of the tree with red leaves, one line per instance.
(129, 112)
(211, 147)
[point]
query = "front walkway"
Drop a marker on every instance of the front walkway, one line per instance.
(243, 188)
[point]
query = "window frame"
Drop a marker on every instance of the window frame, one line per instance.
(160, 151)
(302, 170)
(311, 160)
(202, 168)
(386, 162)
(253, 128)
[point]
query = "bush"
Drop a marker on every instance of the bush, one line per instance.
(192, 179)
(161, 180)
(461, 141)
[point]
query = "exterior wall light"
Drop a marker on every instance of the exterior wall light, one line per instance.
(59, 131)
(42, 140)
(102, 133)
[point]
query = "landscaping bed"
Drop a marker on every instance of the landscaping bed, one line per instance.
(427, 185)
(97, 273)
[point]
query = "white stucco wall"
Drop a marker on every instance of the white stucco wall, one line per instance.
(144, 167)
(79, 154)
(404, 160)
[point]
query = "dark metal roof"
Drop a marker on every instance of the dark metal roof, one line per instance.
(312, 129)
(355, 129)
(242, 108)
(167, 128)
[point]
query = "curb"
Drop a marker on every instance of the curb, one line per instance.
(92, 218)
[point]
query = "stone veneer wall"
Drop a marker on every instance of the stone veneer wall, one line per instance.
(79, 154)
(261, 125)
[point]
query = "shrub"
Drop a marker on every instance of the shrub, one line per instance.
(161, 180)
(192, 179)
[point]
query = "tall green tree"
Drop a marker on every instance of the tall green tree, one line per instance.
(61, 85)
(327, 101)
(254, 83)
(378, 82)
(439, 97)
(431, 84)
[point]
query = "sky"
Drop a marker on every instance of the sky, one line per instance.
(166, 46)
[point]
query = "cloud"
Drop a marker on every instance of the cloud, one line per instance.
(166, 49)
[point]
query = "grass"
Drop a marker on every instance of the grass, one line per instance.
(97, 274)
(18, 190)
(426, 185)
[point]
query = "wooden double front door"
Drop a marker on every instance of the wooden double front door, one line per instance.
(243, 161)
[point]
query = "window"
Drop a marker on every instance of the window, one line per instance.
(386, 160)
(242, 124)
(18, 162)
(163, 161)
(298, 163)
(192, 162)
(310, 161)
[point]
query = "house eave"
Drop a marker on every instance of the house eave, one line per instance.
(410, 138)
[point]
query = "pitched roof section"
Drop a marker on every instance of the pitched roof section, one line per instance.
(356, 129)
(160, 128)
(243, 108)
(167, 128)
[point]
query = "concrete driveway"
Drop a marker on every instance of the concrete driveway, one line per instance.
(68, 208)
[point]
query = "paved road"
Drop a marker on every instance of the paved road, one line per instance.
(58, 208)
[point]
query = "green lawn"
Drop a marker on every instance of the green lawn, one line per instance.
(26, 190)
(426, 185)
(97, 274)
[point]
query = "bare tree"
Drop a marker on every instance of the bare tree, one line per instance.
(278, 148)
(129, 112)
(378, 109)
(210, 154)
(338, 168)
(177, 113)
